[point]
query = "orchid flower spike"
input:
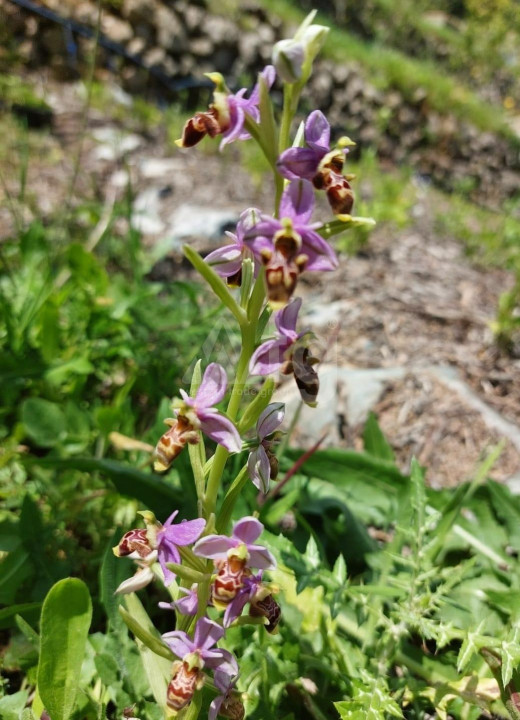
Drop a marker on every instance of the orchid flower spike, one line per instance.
(198, 414)
(227, 260)
(227, 114)
(290, 245)
(262, 464)
(289, 354)
(320, 163)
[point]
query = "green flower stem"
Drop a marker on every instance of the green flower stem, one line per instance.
(287, 117)
(221, 454)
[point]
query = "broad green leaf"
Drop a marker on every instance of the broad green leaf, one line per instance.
(44, 422)
(65, 621)
(375, 442)
(111, 574)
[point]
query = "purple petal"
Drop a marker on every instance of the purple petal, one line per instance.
(269, 357)
(259, 469)
(321, 256)
(223, 660)
(235, 607)
(220, 429)
(260, 557)
(207, 634)
(317, 131)
(297, 202)
(298, 162)
(214, 547)
(184, 533)
(270, 419)
(179, 643)
(223, 680)
(215, 707)
(171, 517)
(187, 605)
(212, 388)
(167, 552)
(268, 75)
(286, 319)
(237, 125)
(227, 260)
(247, 530)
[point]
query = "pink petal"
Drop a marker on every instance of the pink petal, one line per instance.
(297, 202)
(286, 319)
(317, 131)
(321, 256)
(223, 660)
(270, 419)
(220, 429)
(207, 633)
(215, 707)
(298, 162)
(269, 357)
(179, 643)
(185, 532)
(259, 469)
(214, 547)
(260, 557)
(212, 388)
(236, 128)
(247, 530)
(171, 517)
(227, 260)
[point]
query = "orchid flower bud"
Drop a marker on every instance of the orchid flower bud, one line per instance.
(312, 38)
(288, 57)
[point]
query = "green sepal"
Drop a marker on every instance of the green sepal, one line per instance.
(343, 223)
(215, 282)
(256, 406)
(151, 641)
(186, 573)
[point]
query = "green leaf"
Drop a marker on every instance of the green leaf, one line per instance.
(44, 422)
(6, 614)
(15, 569)
(11, 706)
(216, 283)
(152, 490)
(312, 554)
(375, 442)
(65, 621)
(111, 574)
(339, 571)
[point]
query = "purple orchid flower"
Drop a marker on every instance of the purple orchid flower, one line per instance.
(298, 162)
(231, 701)
(319, 163)
(290, 245)
(171, 536)
(271, 355)
(227, 260)
(212, 423)
(296, 208)
(187, 605)
(239, 107)
(250, 586)
(260, 460)
(240, 544)
(198, 652)
(226, 116)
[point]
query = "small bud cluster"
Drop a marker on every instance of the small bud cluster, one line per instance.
(219, 575)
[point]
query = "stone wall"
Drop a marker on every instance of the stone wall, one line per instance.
(182, 39)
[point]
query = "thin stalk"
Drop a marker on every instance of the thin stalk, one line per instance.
(287, 117)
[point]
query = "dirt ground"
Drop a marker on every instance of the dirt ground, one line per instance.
(409, 299)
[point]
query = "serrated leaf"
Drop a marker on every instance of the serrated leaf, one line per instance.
(312, 553)
(339, 571)
(66, 616)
